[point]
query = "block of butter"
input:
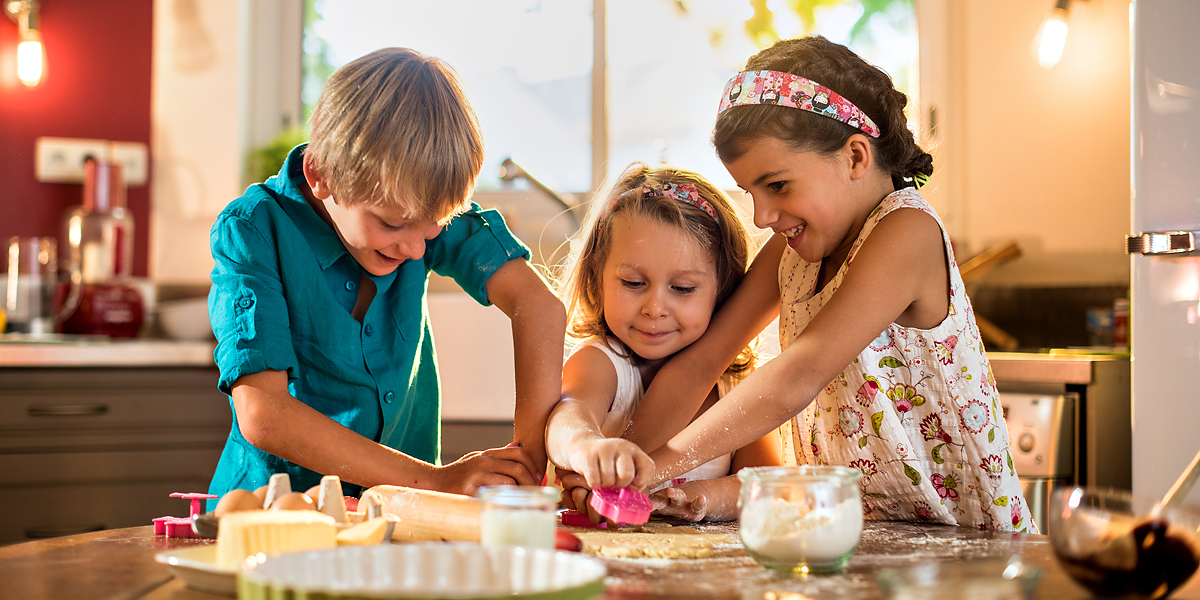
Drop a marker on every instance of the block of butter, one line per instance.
(243, 534)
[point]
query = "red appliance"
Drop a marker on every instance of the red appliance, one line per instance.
(100, 236)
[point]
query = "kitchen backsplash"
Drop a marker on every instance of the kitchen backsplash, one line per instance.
(1044, 317)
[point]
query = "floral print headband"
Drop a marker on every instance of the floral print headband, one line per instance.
(687, 194)
(785, 89)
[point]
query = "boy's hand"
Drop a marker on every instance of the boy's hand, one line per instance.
(611, 462)
(674, 502)
(498, 466)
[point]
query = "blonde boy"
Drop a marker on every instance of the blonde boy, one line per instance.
(318, 296)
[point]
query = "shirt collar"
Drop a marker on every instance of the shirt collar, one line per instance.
(324, 241)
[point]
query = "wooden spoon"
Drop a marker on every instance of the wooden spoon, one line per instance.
(1120, 551)
(1182, 486)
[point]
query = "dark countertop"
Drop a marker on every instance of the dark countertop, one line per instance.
(120, 564)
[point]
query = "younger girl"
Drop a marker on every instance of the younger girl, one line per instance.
(882, 366)
(653, 263)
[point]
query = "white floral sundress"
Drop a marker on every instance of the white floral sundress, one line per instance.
(917, 411)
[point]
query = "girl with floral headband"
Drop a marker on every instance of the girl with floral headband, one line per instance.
(882, 368)
(652, 264)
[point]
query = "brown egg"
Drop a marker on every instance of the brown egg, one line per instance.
(261, 494)
(314, 494)
(294, 501)
(237, 501)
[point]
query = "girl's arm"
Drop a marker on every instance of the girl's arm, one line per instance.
(899, 275)
(272, 420)
(679, 389)
(716, 499)
(574, 439)
(538, 323)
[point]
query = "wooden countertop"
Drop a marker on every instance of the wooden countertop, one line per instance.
(120, 564)
(1049, 367)
(77, 351)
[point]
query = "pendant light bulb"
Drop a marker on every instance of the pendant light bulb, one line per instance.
(29, 48)
(29, 59)
(1052, 38)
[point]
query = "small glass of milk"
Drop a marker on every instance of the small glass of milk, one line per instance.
(800, 519)
(518, 515)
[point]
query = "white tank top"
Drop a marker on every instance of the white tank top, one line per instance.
(629, 394)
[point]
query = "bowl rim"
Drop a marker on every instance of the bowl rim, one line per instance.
(578, 567)
(798, 473)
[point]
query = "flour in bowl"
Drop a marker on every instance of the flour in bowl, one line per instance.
(796, 532)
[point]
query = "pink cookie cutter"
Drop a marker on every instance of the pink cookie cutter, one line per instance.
(577, 519)
(181, 527)
(622, 505)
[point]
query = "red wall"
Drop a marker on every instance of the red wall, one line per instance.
(96, 84)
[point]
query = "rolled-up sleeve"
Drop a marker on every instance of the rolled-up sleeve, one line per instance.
(472, 247)
(246, 303)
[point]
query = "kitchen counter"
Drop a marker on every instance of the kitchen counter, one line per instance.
(120, 564)
(104, 352)
(1053, 367)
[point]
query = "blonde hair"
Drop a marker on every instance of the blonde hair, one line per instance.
(581, 287)
(394, 128)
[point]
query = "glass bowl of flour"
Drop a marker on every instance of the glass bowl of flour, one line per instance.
(800, 519)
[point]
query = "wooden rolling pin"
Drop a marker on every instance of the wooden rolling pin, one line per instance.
(428, 515)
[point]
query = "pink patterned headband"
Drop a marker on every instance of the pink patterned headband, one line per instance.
(686, 194)
(785, 89)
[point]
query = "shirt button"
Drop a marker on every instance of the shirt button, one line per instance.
(368, 329)
(246, 302)
(350, 286)
(388, 397)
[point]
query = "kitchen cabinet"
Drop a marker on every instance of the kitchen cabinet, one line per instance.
(102, 447)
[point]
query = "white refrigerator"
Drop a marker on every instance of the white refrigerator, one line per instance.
(1165, 247)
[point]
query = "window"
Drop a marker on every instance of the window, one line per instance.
(527, 66)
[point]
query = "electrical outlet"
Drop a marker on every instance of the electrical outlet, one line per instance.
(62, 160)
(132, 158)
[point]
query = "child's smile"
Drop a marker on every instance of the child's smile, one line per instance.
(659, 285)
(800, 194)
(378, 237)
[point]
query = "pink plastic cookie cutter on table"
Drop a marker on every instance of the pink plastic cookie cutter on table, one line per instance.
(181, 527)
(621, 505)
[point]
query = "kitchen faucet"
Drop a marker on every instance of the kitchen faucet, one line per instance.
(510, 170)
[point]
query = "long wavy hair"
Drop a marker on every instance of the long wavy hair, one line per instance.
(581, 286)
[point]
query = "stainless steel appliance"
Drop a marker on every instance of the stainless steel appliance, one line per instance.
(1082, 439)
(1041, 430)
(1165, 268)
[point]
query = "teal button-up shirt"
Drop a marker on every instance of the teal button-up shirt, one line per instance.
(283, 289)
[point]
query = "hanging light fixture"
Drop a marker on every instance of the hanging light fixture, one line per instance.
(1048, 45)
(29, 48)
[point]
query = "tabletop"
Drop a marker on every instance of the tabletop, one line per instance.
(120, 563)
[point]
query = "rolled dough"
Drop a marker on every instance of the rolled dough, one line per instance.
(652, 540)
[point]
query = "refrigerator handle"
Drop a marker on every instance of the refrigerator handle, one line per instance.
(1163, 243)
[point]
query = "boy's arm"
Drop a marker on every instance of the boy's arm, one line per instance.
(539, 323)
(574, 439)
(275, 422)
(679, 389)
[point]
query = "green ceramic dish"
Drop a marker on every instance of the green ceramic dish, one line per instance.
(431, 570)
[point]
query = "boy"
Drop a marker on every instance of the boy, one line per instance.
(318, 297)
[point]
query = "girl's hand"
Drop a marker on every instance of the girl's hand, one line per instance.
(574, 491)
(498, 466)
(611, 462)
(674, 502)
